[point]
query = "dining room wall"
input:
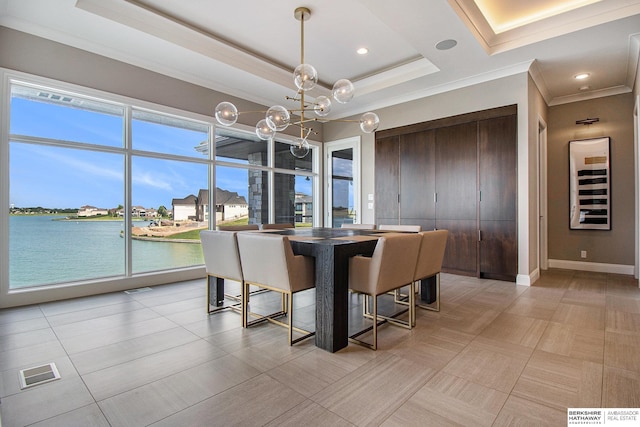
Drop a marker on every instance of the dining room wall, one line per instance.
(613, 248)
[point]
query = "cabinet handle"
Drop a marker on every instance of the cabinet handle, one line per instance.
(479, 236)
(435, 197)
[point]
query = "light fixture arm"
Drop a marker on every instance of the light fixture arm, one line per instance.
(305, 77)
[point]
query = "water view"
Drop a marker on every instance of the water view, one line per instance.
(47, 249)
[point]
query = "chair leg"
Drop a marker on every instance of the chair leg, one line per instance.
(245, 303)
(375, 321)
(290, 310)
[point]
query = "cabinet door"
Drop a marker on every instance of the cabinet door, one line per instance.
(417, 179)
(456, 188)
(387, 180)
(497, 206)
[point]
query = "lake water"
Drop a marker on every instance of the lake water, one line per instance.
(46, 250)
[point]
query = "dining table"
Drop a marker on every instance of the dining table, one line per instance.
(331, 248)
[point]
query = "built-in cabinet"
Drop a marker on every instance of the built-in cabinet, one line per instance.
(458, 174)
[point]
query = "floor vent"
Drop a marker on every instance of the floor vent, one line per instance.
(38, 375)
(137, 291)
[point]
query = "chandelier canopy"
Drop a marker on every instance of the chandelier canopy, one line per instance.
(305, 77)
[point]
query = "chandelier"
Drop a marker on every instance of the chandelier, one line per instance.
(278, 118)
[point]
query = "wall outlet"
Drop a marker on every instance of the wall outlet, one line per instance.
(583, 254)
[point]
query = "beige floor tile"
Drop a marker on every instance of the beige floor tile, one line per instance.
(317, 369)
(495, 364)
(253, 403)
(560, 382)
(524, 331)
(548, 294)
(620, 321)
(447, 399)
(579, 315)
(523, 412)
(116, 334)
(127, 376)
(622, 350)
(468, 318)
(125, 351)
(45, 401)
(375, 390)
(273, 352)
(87, 416)
(621, 389)
(152, 402)
(469, 355)
(537, 308)
(309, 414)
(623, 303)
(573, 341)
(588, 298)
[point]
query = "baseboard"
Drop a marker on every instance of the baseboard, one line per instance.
(592, 266)
(528, 279)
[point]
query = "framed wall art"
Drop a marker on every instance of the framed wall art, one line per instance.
(590, 184)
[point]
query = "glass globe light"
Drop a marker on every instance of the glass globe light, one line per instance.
(305, 77)
(369, 122)
(264, 130)
(300, 149)
(226, 113)
(278, 117)
(343, 91)
(322, 106)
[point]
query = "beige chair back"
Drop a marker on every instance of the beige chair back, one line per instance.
(277, 226)
(391, 265)
(239, 227)
(221, 256)
(268, 260)
(398, 227)
(431, 253)
(359, 226)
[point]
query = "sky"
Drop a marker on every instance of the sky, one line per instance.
(58, 177)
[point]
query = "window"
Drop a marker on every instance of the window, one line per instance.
(81, 167)
(72, 167)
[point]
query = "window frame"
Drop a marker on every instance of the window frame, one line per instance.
(37, 294)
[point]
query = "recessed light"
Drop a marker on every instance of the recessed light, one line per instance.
(362, 51)
(446, 44)
(581, 76)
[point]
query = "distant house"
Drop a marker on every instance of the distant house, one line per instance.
(229, 205)
(138, 212)
(304, 208)
(184, 209)
(87, 210)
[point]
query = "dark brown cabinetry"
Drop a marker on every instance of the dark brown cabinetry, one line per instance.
(457, 174)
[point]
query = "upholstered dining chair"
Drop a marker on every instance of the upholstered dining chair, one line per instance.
(268, 262)
(391, 267)
(243, 227)
(279, 226)
(359, 226)
(400, 227)
(430, 259)
(222, 262)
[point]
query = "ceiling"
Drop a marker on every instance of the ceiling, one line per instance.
(248, 48)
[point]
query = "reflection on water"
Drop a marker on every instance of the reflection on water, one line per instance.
(45, 250)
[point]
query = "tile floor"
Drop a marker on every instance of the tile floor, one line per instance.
(497, 354)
